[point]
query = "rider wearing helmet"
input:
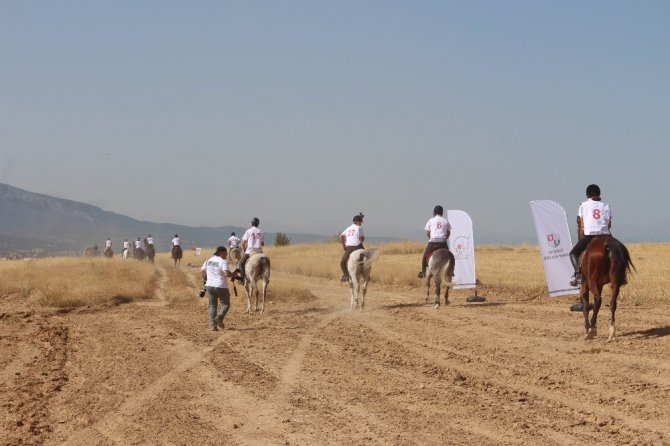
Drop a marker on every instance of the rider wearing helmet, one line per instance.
(352, 239)
(438, 230)
(594, 218)
(253, 240)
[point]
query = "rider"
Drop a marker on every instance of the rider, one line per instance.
(594, 218)
(233, 241)
(352, 239)
(438, 230)
(138, 243)
(126, 244)
(175, 240)
(253, 240)
(108, 244)
(150, 240)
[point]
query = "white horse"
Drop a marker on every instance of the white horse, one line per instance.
(125, 254)
(441, 269)
(257, 268)
(359, 266)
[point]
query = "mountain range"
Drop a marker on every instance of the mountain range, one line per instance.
(43, 225)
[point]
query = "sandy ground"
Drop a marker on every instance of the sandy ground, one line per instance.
(503, 372)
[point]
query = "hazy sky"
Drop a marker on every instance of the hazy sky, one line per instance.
(304, 113)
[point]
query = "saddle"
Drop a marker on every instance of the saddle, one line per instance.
(435, 248)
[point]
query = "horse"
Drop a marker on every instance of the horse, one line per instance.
(151, 251)
(177, 254)
(441, 269)
(125, 254)
(605, 260)
(359, 266)
(234, 257)
(139, 254)
(108, 253)
(257, 268)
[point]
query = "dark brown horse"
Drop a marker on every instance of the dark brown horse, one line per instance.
(177, 254)
(150, 250)
(606, 260)
(108, 253)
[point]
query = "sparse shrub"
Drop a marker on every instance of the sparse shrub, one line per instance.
(282, 239)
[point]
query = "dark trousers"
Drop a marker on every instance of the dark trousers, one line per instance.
(578, 249)
(430, 247)
(243, 262)
(345, 257)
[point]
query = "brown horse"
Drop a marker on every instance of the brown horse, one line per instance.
(108, 253)
(150, 250)
(606, 260)
(177, 254)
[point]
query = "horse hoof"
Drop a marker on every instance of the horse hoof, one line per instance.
(446, 301)
(590, 335)
(436, 306)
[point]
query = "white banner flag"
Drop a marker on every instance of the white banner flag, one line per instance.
(462, 244)
(553, 236)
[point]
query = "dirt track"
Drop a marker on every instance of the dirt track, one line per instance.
(502, 372)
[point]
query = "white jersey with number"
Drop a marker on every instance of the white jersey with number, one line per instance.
(234, 242)
(126, 245)
(175, 241)
(150, 240)
(438, 227)
(108, 244)
(596, 217)
(216, 268)
(255, 239)
(353, 235)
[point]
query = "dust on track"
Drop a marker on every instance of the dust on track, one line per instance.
(504, 372)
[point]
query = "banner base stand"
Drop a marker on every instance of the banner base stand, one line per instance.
(476, 298)
(578, 307)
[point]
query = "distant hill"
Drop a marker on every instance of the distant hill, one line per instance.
(42, 224)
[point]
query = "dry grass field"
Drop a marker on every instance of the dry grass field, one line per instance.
(112, 352)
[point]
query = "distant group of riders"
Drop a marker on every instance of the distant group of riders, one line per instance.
(138, 250)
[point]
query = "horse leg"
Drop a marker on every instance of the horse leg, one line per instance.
(613, 304)
(597, 301)
(247, 292)
(427, 288)
(446, 294)
(438, 283)
(265, 289)
(585, 311)
(365, 289)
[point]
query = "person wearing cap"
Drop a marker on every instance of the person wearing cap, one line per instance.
(215, 273)
(352, 239)
(233, 241)
(593, 218)
(437, 230)
(175, 241)
(253, 241)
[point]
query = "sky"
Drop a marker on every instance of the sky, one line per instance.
(304, 113)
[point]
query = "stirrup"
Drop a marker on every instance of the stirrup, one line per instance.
(345, 278)
(421, 275)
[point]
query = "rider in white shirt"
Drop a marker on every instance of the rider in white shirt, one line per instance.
(175, 240)
(438, 230)
(108, 244)
(352, 239)
(150, 240)
(126, 244)
(233, 241)
(138, 243)
(253, 240)
(594, 218)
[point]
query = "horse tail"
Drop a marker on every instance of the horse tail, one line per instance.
(447, 272)
(619, 255)
(368, 256)
(264, 262)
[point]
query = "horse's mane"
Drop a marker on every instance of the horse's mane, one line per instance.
(624, 263)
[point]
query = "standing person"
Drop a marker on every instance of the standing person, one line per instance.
(233, 241)
(352, 239)
(438, 230)
(175, 241)
(215, 273)
(150, 240)
(253, 240)
(594, 218)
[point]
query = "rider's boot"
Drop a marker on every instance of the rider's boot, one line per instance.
(577, 278)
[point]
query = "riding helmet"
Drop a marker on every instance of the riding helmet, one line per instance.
(592, 191)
